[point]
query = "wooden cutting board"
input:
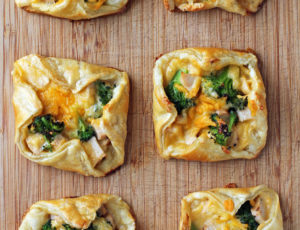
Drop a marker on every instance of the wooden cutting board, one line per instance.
(131, 41)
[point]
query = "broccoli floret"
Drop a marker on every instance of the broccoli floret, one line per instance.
(222, 131)
(104, 92)
(219, 132)
(175, 96)
(48, 226)
(68, 227)
(245, 216)
(239, 102)
(48, 127)
(104, 95)
(85, 132)
(193, 227)
(233, 119)
(222, 85)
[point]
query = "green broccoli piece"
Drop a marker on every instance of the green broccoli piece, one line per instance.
(233, 119)
(222, 85)
(245, 216)
(104, 95)
(222, 131)
(104, 92)
(48, 226)
(68, 227)
(239, 102)
(47, 146)
(175, 96)
(85, 132)
(219, 132)
(193, 227)
(48, 127)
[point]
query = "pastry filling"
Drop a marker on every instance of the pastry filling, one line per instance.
(180, 2)
(94, 4)
(207, 215)
(213, 105)
(245, 215)
(103, 221)
(68, 116)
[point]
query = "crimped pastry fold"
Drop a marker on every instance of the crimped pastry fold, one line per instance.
(187, 133)
(79, 213)
(73, 9)
(219, 209)
(236, 6)
(67, 90)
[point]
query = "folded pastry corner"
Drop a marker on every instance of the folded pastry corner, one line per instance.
(91, 212)
(73, 9)
(70, 115)
(209, 105)
(232, 208)
(243, 7)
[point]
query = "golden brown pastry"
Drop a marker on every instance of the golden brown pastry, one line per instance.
(92, 212)
(255, 208)
(70, 115)
(73, 9)
(209, 105)
(236, 6)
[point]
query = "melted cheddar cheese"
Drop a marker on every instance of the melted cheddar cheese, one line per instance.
(64, 105)
(57, 102)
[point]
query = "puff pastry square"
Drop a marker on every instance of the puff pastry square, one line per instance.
(242, 7)
(69, 114)
(232, 208)
(73, 9)
(209, 105)
(92, 212)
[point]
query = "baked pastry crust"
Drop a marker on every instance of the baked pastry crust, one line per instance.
(78, 212)
(217, 208)
(73, 9)
(242, 7)
(46, 84)
(172, 142)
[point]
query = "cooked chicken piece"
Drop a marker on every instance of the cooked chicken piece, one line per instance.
(244, 115)
(222, 112)
(259, 210)
(94, 151)
(191, 83)
(58, 141)
(98, 127)
(35, 143)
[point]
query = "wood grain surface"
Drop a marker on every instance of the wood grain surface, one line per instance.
(131, 41)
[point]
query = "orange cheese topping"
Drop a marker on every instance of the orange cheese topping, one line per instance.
(253, 107)
(58, 102)
(207, 104)
(229, 205)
